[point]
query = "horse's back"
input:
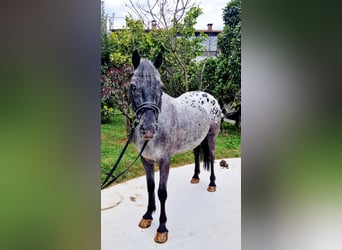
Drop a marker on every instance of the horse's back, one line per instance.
(202, 100)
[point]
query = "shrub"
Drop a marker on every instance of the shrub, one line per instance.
(106, 113)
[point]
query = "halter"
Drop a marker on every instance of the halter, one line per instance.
(146, 69)
(145, 106)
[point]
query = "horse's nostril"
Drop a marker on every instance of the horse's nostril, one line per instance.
(148, 131)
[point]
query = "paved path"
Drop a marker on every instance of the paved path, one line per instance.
(197, 219)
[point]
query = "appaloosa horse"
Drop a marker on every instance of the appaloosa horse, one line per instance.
(171, 126)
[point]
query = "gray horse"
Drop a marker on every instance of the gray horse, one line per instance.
(171, 126)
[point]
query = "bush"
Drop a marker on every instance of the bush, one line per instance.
(106, 114)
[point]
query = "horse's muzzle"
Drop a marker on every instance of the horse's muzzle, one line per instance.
(148, 132)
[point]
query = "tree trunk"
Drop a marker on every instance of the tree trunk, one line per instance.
(128, 125)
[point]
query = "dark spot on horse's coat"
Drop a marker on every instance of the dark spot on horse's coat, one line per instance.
(202, 102)
(207, 99)
(204, 95)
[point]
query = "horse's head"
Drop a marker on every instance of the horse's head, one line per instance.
(145, 94)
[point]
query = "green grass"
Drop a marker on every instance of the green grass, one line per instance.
(114, 137)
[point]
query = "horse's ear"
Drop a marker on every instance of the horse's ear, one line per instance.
(135, 59)
(158, 60)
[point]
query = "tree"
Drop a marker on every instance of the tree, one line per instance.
(179, 48)
(230, 64)
(104, 37)
(165, 13)
(203, 75)
(177, 19)
(230, 43)
(221, 76)
(114, 91)
(182, 48)
(116, 74)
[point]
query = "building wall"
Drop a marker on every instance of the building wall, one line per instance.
(210, 43)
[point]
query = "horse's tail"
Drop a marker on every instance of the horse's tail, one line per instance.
(205, 152)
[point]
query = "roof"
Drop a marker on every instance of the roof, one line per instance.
(209, 31)
(206, 31)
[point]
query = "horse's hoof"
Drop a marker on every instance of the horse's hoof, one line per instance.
(195, 180)
(211, 189)
(161, 237)
(145, 223)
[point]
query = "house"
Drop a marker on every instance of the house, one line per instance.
(210, 43)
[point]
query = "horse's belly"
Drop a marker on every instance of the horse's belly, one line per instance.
(187, 129)
(191, 132)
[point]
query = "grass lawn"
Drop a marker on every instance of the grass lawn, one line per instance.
(113, 139)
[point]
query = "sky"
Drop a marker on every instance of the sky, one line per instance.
(212, 12)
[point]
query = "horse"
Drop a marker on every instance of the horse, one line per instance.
(171, 126)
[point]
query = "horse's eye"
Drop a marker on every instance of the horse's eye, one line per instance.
(133, 87)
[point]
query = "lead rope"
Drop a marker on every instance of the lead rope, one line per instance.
(107, 182)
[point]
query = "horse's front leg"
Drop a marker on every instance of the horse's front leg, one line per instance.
(162, 232)
(151, 207)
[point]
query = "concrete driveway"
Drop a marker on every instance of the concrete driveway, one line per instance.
(197, 219)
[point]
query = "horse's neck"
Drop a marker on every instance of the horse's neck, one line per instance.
(171, 103)
(167, 98)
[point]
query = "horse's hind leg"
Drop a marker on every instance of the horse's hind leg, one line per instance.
(212, 143)
(147, 218)
(212, 184)
(195, 179)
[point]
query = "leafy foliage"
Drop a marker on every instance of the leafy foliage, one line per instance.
(114, 90)
(106, 113)
(230, 45)
(116, 74)
(176, 43)
(204, 76)
(231, 13)
(182, 48)
(104, 37)
(179, 72)
(222, 76)
(229, 66)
